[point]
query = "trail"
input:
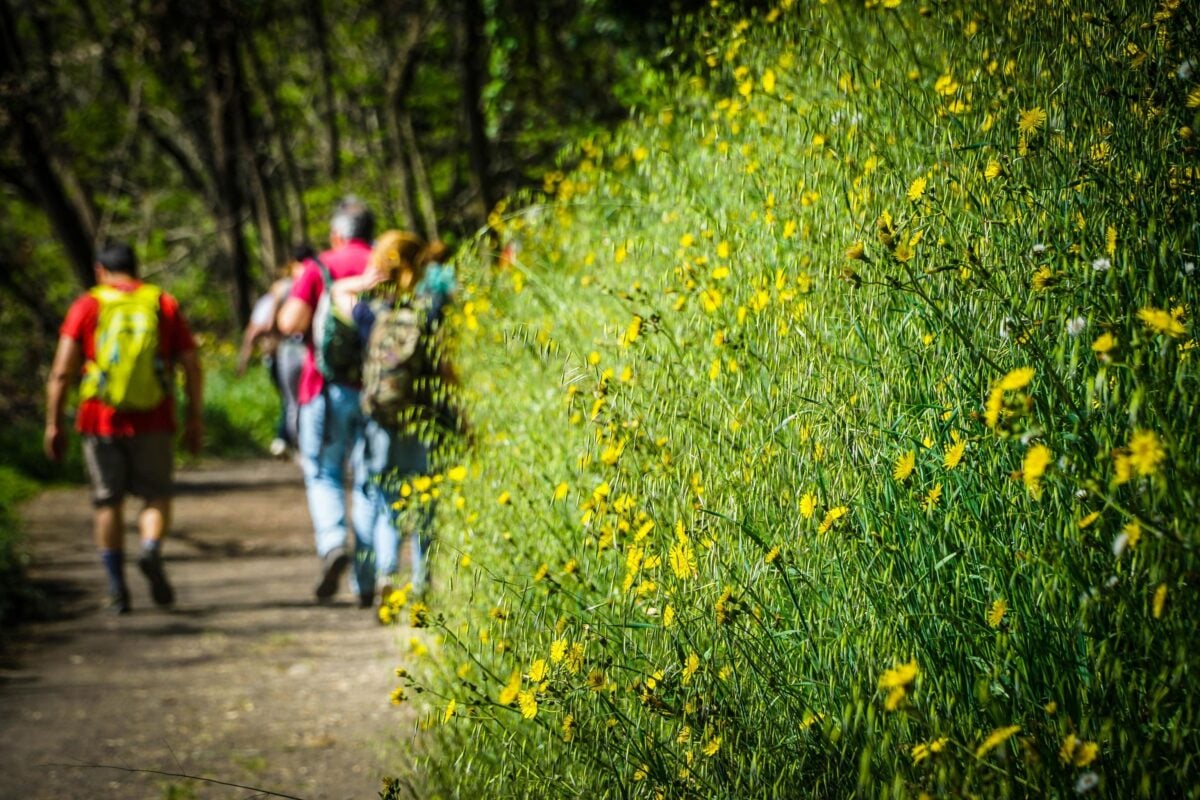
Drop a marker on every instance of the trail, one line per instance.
(245, 681)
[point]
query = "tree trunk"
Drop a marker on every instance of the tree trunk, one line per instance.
(222, 87)
(316, 18)
(257, 74)
(471, 63)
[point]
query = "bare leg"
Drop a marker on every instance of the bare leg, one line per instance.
(108, 523)
(155, 520)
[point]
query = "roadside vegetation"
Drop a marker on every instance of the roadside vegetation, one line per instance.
(836, 425)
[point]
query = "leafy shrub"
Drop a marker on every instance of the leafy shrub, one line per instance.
(838, 426)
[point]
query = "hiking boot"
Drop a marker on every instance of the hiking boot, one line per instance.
(150, 562)
(118, 603)
(333, 565)
(366, 600)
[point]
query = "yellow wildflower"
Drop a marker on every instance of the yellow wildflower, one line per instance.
(682, 558)
(1030, 120)
(528, 704)
(996, 738)
(1160, 600)
(1087, 521)
(808, 504)
(1037, 458)
(954, 454)
(558, 650)
(505, 499)
(713, 745)
(1104, 344)
(689, 669)
(992, 170)
(668, 616)
(509, 693)
(1161, 321)
(917, 188)
(457, 474)
(900, 675)
(1145, 452)
(932, 498)
(856, 251)
(996, 615)
(568, 727)
(397, 696)
(1017, 379)
(904, 466)
(450, 707)
(537, 671)
(1077, 752)
(832, 516)
(924, 750)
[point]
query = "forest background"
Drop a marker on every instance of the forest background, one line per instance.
(216, 136)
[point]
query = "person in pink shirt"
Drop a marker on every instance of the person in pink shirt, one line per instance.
(331, 423)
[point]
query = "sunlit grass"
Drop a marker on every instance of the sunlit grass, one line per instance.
(836, 426)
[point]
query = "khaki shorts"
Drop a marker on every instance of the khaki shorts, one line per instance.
(141, 465)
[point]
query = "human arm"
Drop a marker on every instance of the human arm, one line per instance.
(346, 290)
(193, 383)
(253, 333)
(67, 359)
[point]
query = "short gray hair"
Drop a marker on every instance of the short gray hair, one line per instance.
(353, 220)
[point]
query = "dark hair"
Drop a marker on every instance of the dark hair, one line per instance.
(303, 252)
(353, 220)
(118, 257)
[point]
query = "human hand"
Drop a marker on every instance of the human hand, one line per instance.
(54, 443)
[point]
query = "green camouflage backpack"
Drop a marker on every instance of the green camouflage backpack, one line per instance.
(127, 372)
(397, 367)
(336, 345)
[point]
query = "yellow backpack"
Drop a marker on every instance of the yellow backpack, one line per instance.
(127, 372)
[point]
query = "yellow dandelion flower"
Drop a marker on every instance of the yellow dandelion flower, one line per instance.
(397, 696)
(450, 708)
(1193, 98)
(1030, 120)
(900, 675)
(1087, 521)
(710, 299)
(560, 491)
(558, 650)
(575, 658)
(1110, 240)
(904, 466)
(682, 559)
(1017, 379)
(993, 170)
(996, 614)
(457, 474)
(1077, 752)
(537, 671)
(668, 617)
(1161, 321)
(916, 189)
(641, 772)
(528, 704)
(996, 738)
(808, 504)
(832, 516)
(856, 251)
(954, 454)
(1037, 459)
(713, 745)
(1160, 600)
(568, 727)
(768, 81)
(504, 499)
(1133, 532)
(995, 404)
(689, 669)
(1104, 344)
(932, 498)
(509, 693)
(1145, 452)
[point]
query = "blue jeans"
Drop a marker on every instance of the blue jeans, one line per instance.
(390, 460)
(331, 432)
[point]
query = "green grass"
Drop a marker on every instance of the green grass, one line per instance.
(805, 457)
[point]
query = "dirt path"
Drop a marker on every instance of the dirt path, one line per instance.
(245, 681)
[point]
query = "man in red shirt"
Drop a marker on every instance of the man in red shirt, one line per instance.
(331, 423)
(126, 451)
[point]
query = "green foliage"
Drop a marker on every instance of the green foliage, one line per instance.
(837, 427)
(14, 591)
(240, 413)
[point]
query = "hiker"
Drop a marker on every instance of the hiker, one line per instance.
(330, 422)
(126, 336)
(396, 327)
(283, 356)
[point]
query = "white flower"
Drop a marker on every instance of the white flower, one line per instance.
(1038, 249)
(1102, 265)
(1120, 543)
(1081, 494)
(1189, 268)
(1086, 782)
(1185, 70)
(1076, 326)
(1007, 325)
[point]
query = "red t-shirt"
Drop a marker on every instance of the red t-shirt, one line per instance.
(345, 262)
(174, 337)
